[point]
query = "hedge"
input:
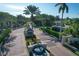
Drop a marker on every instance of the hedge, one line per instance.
(51, 32)
(5, 33)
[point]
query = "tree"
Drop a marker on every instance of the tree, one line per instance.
(62, 8)
(45, 19)
(6, 20)
(75, 27)
(32, 10)
(21, 20)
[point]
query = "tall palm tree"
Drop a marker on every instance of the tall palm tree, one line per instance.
(31, 10)
(62, 8)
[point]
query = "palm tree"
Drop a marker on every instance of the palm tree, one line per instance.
(31, 10)
(62, 8)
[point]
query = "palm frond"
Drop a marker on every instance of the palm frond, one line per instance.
(60, 9)
(32, 8)
(26, 12)
(57, 4)
(67, 9)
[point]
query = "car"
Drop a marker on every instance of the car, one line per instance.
(29, 32)
(38, 50)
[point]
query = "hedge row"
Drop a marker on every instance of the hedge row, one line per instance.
(51, 32)
(5, 33)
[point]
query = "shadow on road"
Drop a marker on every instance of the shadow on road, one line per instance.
(5, 48)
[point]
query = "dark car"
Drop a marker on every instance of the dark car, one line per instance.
(38, 50)
(29, 33)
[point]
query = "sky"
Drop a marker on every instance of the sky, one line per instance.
(46, 8)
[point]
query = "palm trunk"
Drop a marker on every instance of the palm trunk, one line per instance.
(31, 17)
(60, 36)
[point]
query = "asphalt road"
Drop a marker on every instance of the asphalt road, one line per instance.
(54, 47)
(17, 45)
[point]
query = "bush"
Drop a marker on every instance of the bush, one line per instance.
(4, 34)
(77, 53)
(51, 32)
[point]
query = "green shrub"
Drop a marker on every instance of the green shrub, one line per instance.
(51, 32)
(77, 53)
(4, 34)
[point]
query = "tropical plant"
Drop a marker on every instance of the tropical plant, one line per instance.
(31, 10)
(62, 8)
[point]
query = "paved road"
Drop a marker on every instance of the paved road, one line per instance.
(17, 46)
(55, 48)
